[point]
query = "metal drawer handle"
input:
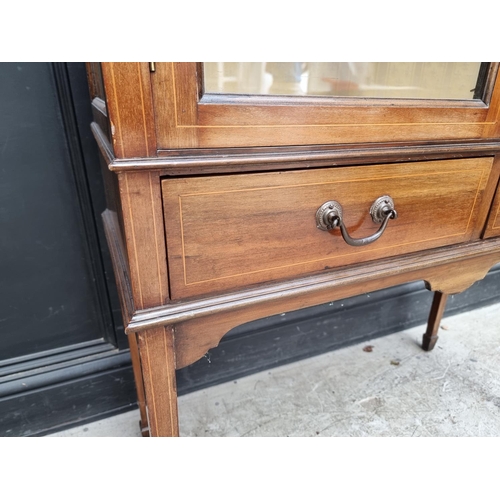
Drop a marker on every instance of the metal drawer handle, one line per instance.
(329, 216)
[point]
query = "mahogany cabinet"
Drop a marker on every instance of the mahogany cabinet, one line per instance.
(237, 192)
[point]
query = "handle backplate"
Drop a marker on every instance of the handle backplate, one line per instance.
(330, 216)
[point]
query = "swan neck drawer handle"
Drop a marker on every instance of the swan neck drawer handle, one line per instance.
(330, 216)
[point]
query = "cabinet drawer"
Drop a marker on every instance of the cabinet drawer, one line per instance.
(225, 232)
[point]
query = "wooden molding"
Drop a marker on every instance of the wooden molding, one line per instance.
(191, 162)
(206, 161)
(423, 265)
(102, 141)
(120, 265)
(420, 262)
(195, 337)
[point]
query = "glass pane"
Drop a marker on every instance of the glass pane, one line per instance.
(361, 79)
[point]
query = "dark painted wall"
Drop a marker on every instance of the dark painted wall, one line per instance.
(47, 297)
(59, 362)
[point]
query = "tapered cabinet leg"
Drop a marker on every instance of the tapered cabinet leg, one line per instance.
(156, 348)
(431, 335)
(139, 383)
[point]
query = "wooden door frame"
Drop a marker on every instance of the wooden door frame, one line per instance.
(189, 118)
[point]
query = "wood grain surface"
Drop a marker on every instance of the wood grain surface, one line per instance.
(195, 337)
(122, 277)
(130, 109)
(145, 238)
(201, 323)
(227, 232)
(192, 162)
(186, 118)
(493, 228)
(156, 347)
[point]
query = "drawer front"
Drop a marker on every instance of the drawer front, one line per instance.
(226, 232)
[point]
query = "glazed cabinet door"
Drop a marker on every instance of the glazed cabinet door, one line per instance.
(227, 105)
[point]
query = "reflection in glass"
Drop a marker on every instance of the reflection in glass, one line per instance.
(362, 79)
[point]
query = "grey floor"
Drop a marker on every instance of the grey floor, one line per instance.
(394, 390)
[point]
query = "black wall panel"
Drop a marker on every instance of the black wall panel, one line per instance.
(47, 295)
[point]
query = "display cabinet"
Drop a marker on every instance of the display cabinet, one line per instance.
(237, 191)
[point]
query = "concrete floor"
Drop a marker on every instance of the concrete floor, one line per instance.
(394, 390)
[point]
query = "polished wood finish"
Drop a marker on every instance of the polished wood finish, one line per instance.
(430, 337)
(192, 162)
(156, 349)
(213, 201)
(227, 232)
(145, 238)
(130, 109)
(122, 276)
(139, 384)
(449, 270)
(493, 227)
(176, 104)
(187, 118)
(120, 264)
